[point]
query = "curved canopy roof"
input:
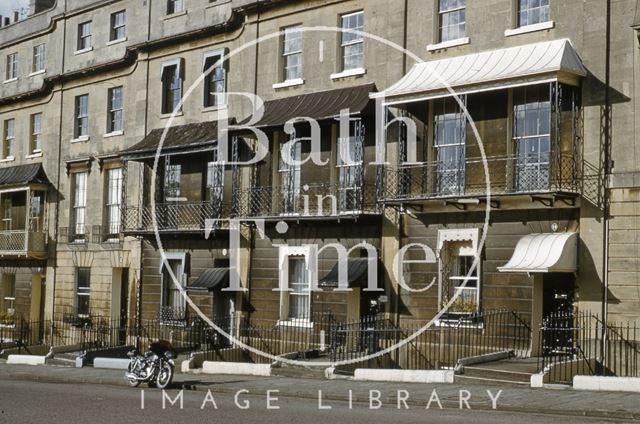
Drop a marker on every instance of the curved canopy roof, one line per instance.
(544, 252)
(488, 70)
(23, 175)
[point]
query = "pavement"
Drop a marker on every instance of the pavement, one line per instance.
(551, 400)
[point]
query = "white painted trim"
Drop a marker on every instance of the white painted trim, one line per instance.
(88, 49)
(8, 159)
(446, 44)
(80, 139)
(175, 15)
(176, 61)
(404, 376)
(348, 73)
(40, 72)
(34, 155)
(113, 134)
(236, 368)
(301, 323)
(288, 83)
(10, 80)
(606, 384)
(118, 41)
(26, 360)
(111, 363)
(529, 28)
(215, 108)
(168, 115)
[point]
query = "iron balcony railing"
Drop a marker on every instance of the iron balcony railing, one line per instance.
(22, 242)
(507, 175)
(175, 217)
(307, 201)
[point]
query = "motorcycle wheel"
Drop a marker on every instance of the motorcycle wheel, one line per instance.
(132, 383)
(165, 375)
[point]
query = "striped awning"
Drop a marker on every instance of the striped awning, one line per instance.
(488, 70)
(211, 279)
(544, 252)
(357, 273)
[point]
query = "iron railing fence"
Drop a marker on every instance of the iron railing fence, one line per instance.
(308, 200)
(435, 347)
(468, 177)
(176, 216)
(572, 344)
(291, 338)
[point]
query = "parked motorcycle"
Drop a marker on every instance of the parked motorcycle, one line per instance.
(154, 367)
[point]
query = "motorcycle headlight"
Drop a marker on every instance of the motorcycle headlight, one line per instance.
(169, 354)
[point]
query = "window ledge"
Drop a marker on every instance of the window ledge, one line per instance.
(446, 44)
(113, 134)
(175, 15)
(349, 73)
(88, 49)
(295, 323)
(7, 159)
(37, 154)
(40, 72)
(80, 139)
(214, 108)
(288, 83)
(118, 41)
(10, 80)
(169, 115)
(529, 28)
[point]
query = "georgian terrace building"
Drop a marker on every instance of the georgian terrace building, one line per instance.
(542, 92)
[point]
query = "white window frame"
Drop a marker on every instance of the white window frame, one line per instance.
(9, 298)
(178, 64)
(79, 206)
(285, 55)
(221, 100)
(344, 44)
(12, 67)
(285, 252)
(172, 9)
(441, 14)
(78, 116)
(84, 41)
(36, 134)
(39, 57)
(85, 292)
(173, 256)
(112, 111)
(113, 201)
(519, 11)
(460, 235)
(115, 27)
(9, 138)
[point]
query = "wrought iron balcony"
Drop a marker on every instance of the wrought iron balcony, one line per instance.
(467, 178)
(308, 201)
(23, 243)
(174, 217)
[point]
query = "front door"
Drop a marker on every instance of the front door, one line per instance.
(124, 305)
(557, 312)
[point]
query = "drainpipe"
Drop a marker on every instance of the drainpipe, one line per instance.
(56, 219)
(606, 194)
(252, 230)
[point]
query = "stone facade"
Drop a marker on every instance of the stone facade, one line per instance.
(243, 31)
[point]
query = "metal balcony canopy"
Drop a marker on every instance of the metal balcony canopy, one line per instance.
(23, 175)
(544, 252)
(319, 105)
(357, 269)
(488, 70)
(211, 279)
(186, 138)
